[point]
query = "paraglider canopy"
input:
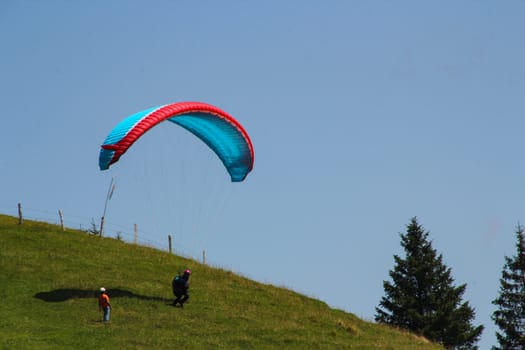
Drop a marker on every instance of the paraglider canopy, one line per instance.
(220, 131)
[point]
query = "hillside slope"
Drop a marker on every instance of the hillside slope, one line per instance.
(49, 278)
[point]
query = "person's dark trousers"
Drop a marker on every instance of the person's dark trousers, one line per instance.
(181, 299)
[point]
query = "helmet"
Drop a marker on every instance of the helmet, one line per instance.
(187, 272)
(102, 290)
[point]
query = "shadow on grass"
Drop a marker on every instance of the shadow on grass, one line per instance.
(64, 294)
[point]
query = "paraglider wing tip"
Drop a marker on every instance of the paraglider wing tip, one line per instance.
(107, 156)
(237, 178)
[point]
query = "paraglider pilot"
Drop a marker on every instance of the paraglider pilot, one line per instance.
(180, 285)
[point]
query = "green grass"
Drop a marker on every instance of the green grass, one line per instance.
(49, 279)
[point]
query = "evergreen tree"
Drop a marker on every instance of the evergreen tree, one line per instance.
(510, 315)
(422, 298)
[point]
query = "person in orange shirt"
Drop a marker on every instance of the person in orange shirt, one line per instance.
(104, 304)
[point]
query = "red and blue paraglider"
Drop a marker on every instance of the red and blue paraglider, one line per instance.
(220, 131)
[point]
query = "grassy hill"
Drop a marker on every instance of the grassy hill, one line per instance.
(49, 279)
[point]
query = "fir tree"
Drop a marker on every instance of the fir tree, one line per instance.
(510, 314)
(422, 298)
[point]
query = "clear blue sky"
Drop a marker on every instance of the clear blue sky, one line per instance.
(363, 114)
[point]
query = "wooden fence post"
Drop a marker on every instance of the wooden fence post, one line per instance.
(169, 243)
(135, 233)
(61, 219)
(20, 217)
(204, 257)
(101, 233)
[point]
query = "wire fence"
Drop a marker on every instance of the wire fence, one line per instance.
(126, 233)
